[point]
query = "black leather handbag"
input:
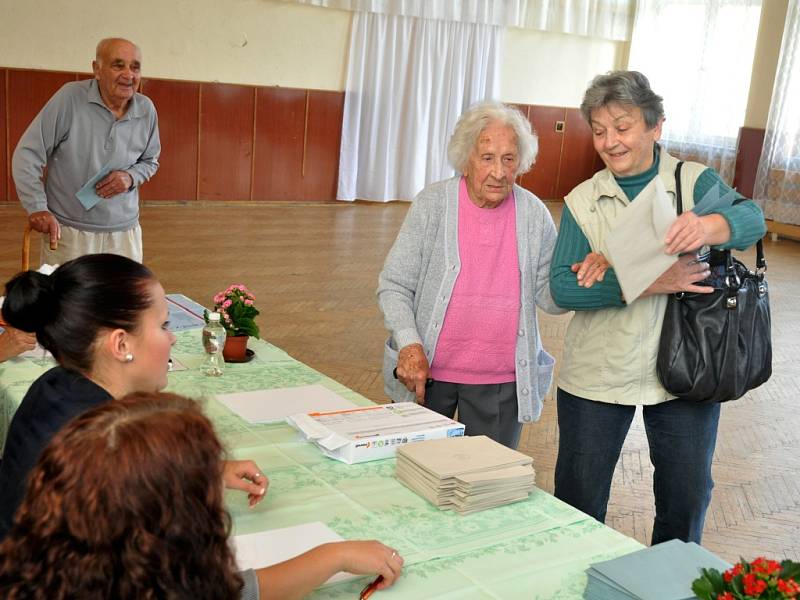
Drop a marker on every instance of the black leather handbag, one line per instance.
(715, 347)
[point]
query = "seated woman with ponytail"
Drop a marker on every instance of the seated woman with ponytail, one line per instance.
(104, 319)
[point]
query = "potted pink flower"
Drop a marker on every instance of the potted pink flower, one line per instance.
(236, 306)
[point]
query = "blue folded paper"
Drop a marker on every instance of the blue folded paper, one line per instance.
(87, 194)
(662, 572)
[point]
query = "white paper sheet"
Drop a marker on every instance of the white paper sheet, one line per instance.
(257, 550)
(37, 352)
(635, 244)
(272, 406)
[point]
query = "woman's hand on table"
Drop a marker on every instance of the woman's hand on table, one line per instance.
(370, 557)
(245, 475)
(413, 370)
(298, 576)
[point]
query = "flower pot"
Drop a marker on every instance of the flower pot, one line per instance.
(235, 349)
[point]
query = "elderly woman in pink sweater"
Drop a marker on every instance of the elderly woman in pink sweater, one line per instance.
(460, 286)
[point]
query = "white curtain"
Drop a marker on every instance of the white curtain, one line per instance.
(408, 81)
(607, 19)
(778, 179)
(702, 72)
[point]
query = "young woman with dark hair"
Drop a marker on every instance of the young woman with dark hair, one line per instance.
(104, 319)
(100, 518)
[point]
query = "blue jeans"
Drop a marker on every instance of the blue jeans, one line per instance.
(681, 435)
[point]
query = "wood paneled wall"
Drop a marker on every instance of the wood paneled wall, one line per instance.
(3, 140)
(219, 141)
(236, 142)
(566, 154)
(748, 153)
(24, 92)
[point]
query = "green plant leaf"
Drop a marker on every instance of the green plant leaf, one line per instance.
(790, 569)
(703, 589)
(248, 328)
(709, 584)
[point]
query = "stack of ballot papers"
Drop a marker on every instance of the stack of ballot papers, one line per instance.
(184, 313)
(465, 474)
(662, 572)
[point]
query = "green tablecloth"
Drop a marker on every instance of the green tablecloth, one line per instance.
(534, 549)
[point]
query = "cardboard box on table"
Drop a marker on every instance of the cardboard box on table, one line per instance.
(374, 432)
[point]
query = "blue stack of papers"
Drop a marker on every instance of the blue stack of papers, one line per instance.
(184, 313)
(662, 572)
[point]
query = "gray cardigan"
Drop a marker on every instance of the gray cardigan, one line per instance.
(420, 272)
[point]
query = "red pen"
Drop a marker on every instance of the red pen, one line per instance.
(370, 588)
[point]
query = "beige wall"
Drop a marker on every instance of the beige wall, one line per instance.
(264, 42)
(258, 42)
(765, 62)
(553, 69)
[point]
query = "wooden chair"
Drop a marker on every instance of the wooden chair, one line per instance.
(26, 253)
(26, 247)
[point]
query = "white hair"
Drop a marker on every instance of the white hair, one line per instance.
(476, 119)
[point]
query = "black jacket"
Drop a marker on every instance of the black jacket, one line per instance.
(53, 400)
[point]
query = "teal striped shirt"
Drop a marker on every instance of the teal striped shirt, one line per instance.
(745, 220)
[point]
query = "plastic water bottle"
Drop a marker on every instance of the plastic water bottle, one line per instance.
(213, 342)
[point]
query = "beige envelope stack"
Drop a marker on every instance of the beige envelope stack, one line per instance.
(465, 474)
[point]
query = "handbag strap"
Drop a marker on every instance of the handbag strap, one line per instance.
(761, 262)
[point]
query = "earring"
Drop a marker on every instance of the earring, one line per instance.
(129, 357)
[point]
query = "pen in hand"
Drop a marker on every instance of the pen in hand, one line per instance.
(370, 588)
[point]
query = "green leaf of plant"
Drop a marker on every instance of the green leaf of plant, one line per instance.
(703, 589)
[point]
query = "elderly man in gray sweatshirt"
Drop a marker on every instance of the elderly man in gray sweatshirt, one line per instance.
(99, 129)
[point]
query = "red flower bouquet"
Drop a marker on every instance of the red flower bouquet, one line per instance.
(763, 579)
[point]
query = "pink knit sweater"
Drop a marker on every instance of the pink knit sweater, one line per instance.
(479, 333)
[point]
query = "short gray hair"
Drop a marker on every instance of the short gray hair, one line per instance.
(103, 45)
(629, 88)
(476, 119)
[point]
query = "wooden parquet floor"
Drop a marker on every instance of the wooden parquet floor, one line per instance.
(314, 269)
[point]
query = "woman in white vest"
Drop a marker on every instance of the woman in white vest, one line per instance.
(611, 345)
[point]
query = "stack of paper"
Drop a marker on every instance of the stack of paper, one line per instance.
(662, 572)
(184, 313)
(465, 474)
